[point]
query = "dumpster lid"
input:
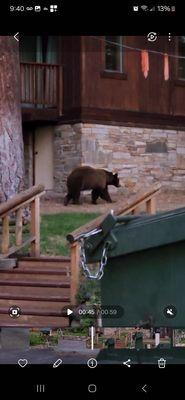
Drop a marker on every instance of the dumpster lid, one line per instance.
(144, 232)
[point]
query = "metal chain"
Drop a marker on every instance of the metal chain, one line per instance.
(87, 234)
(98, 275)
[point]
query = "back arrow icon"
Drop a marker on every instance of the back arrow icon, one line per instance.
(16, 36)
(144, 388)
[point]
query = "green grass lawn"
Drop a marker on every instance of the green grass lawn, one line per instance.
(55, 227)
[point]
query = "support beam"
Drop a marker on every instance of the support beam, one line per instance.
(18, 227)
(35, 226)
(75, 271)
(151, 206)
(5, 235)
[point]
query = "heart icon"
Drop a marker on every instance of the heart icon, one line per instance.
(22, 362)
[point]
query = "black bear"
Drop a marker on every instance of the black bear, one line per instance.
(85, 178)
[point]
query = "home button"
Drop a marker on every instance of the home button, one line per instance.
(92, 388)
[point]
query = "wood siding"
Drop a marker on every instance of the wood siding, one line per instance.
(90, 93)
(135, 93)
(71, 60)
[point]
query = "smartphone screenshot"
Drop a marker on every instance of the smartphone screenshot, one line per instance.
(92, 199)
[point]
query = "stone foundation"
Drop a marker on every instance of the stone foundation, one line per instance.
(67, 153)
(141, 156)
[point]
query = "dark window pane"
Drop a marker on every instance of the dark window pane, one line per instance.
(28, 48)
(113, 53)
(181, 61)
(42, 49)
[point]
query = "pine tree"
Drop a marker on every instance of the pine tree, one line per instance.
(11, 139)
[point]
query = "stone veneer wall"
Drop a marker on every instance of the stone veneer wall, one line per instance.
(67, 153)
(141, 156)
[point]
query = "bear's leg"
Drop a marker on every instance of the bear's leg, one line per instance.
(94, 195)
(76, 198)
(67, 198)
(105, 195)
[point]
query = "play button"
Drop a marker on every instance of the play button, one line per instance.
(69, 312)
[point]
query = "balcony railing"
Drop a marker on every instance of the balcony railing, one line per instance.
(41, 85)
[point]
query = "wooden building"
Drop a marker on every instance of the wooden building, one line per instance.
(85, 100)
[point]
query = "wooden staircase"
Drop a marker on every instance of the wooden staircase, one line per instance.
(40, 286)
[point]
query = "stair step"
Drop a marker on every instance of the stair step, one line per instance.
(34, 297)
(43, 264)
(40, 287)
(47, 292)
(46, 306)
(65, 265)
(44, 261)
(56, 284)
(46, 258)
(36, 312)
(33, 321)
(6, 263)
(35, 278)
(34, 271)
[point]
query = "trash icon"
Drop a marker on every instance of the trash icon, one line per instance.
(161, 363)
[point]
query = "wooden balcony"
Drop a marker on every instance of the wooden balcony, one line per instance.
(41, 90)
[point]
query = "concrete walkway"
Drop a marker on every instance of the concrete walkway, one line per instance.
(78, 346)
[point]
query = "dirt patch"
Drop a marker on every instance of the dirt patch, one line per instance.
(166, 200)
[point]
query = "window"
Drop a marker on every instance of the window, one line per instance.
(43, 49)
(113, 54)
(181, 61)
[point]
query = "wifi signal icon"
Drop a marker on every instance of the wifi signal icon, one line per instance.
(144, 8)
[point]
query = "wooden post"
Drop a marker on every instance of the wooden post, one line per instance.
(5, 234)
(35, 226)
(75, 271)
(60, 90)
(151, 206)
(18, 227)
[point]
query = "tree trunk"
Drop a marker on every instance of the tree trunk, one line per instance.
(11, 139)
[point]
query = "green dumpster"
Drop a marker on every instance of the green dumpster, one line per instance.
(142, 269)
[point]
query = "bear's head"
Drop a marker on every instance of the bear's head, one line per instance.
(114, 180)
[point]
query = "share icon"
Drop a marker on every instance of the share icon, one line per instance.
(127, 363)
